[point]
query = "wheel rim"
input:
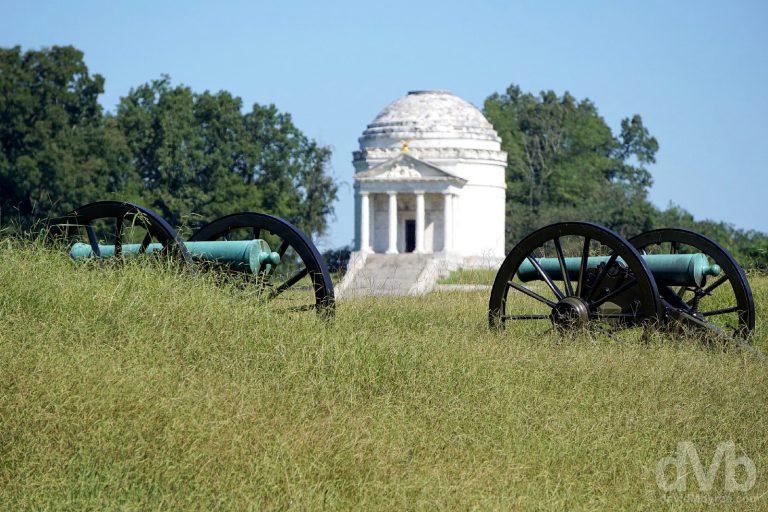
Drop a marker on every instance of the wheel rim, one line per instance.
(302, 273)
(619, 293)
(117, 223)
(723, 305)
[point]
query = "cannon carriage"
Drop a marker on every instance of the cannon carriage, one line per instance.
(264, 250)
(578, 274)
(571, 274)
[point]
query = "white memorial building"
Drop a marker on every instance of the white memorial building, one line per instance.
(430, 180)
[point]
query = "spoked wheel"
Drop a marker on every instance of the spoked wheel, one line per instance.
(548, 277)
(722, 304)
(300, 281)
(104, 228)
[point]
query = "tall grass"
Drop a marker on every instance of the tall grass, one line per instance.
(147, 388)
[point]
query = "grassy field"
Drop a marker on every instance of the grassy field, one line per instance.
(138, 388)
(480, 276)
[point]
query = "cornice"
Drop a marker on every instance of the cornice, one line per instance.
(369, 154)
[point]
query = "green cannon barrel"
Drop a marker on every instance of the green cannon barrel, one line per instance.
(245, 255)
(667, 269)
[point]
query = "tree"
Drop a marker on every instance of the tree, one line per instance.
(196, 153)
(56, 151)
(564, 163)
(289, 169)
(748, 247)
(184, 149)
(166, 147)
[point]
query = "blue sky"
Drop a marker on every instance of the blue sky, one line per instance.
(695, 71)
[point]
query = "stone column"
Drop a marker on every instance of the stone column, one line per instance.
(447, 221)
(392, 247)
(419, 222)
(365, 223)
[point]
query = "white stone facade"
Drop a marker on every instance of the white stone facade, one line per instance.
(430, 178)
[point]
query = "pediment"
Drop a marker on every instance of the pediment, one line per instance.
(407, 168)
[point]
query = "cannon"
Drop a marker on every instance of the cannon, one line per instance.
(244, 255)
(667, 269)
(264, 250)
(577, 274)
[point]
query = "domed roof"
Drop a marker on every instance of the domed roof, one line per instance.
(430, 115)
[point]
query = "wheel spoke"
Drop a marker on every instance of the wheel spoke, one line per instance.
(531, 293)
(256, 233)
(119, 235)
(295, 278)
(675, 247)
(145, 243)
(563, 270)
(583, 267)
(703, 292)
(284, 244)
(282, 248)
(546, 278)
(93, 241)
(723, 311)
(709, 289)
(601, 276)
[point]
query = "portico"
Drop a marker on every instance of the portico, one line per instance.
(406, 229)
(406, 205)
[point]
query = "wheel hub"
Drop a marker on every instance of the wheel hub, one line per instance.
(570, 312)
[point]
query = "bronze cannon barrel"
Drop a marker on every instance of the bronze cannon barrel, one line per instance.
(667, 269)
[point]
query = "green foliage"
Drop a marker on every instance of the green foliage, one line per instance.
(749, 247)
(173, 150)
(289, 169)
(337, 259)
(56, 150)
(186, 149)
(196, 153)
(564, 163)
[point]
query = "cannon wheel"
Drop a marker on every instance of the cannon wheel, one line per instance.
(285, 239)
(696, 305)
(617, 294)
(118, 217)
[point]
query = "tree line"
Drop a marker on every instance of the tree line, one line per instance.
(565, 163)
(194, 156)
(166, 147)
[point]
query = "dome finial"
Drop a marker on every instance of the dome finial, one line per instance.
(404, 149)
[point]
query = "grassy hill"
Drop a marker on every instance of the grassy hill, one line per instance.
(140, 388)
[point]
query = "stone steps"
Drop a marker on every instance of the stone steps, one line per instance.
(387, 274)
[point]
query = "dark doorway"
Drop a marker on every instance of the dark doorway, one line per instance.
(410, 235)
